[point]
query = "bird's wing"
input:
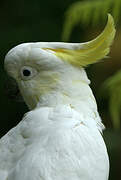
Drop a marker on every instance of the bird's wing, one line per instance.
(58, 145)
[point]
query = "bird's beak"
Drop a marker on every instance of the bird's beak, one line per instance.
(12, 90)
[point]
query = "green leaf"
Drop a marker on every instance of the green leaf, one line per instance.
(113, 88)
(89, 12)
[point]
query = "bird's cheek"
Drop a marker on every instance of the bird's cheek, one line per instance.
(26, 87)
(29, 93)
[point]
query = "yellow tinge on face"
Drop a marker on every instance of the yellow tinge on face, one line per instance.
(33, 89)
(49, 61)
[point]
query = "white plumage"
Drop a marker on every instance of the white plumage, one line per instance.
(60, 138)
(54, 144)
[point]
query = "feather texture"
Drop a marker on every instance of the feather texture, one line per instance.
(60, 138)
(89, 52)
(54, 144)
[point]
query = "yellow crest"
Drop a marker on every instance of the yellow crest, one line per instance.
(89, 52)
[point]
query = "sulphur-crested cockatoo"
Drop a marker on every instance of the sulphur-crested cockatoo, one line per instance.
(60, 137)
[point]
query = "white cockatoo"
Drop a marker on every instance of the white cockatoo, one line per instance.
(60, 137)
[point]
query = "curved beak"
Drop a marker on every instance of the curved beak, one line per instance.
(12, 90)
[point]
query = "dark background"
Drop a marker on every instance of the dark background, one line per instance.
(39, 20)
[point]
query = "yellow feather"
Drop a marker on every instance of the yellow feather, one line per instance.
(92, 51)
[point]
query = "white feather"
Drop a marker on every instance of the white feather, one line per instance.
(54, 144)
(60, 139)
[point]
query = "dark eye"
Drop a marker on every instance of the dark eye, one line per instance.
(26, 72)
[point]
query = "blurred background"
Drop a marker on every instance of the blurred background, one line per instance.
(72, 21)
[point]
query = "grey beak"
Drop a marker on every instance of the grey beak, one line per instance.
(12, 90)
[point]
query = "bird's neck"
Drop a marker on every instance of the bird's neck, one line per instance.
(73, 90)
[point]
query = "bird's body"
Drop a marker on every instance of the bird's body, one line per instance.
(60, 138)
(54, 144)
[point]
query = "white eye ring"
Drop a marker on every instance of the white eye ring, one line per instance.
(27, 72)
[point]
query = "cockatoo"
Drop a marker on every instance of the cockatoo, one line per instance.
(60, 137)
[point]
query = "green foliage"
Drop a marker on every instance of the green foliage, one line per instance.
(89, 12)
(112, 87)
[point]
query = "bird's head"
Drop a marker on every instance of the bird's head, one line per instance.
(44, 68)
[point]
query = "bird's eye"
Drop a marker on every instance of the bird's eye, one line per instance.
(28, 72)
